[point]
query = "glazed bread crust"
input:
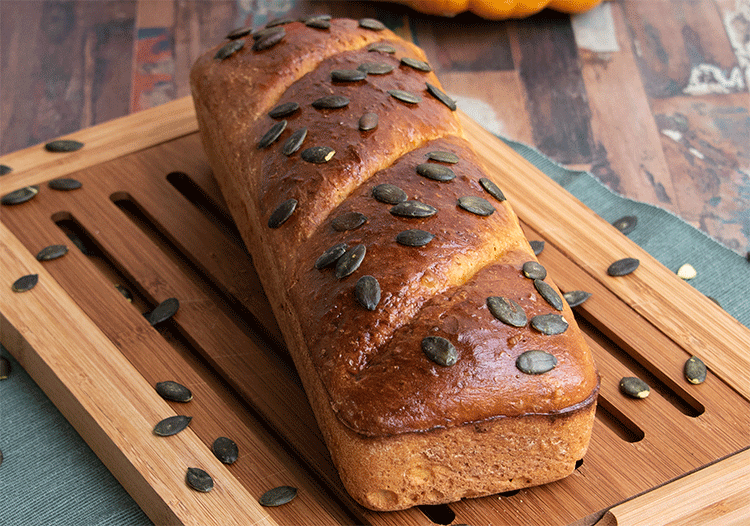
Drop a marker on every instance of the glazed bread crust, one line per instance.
(403, 429)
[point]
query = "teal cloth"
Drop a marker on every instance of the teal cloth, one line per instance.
(50, 476)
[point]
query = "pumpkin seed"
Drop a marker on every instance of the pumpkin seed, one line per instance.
(440, 350)
(25, 283)
(623, 267)
(634, 387)
(414, 63)
(164, 310)
(549, 294)
(350, 261)
(537, 247)
(20, 196)
(318, 23)
(64, 183)
(125, 292)
(330, 102)
(376, 68)
(549, 324)
(695, 370)
(626, 224)
(283, 110)
(282, 213)
(173, 391)
(272, 134)
(441, 96)
(278, 496)
(436, 172)
(239, 32)
(5, 169)
(279, 21)
(269, 40)
(443, 157)
(533, 270)
(368, 121)
(226, 450)
(405, 96)
(294, 142)
(318, 154)
(413, 209)
(330, 256)
(322, 16)
(371, 23)
(536, 362)
(4, 368)
(348, 221)
(267, 31)
(492, 189)
(51, 252)
(507, 311)
(389, 194)
(172, 425)
(348, 75)
(476, 205)
(367, 292)
(687, 271)
(414, 238)
(199, 480)
(63, 145)
(576, 297)
(229, 49)
(382, 47)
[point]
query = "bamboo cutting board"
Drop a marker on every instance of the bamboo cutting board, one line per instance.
(149, 218)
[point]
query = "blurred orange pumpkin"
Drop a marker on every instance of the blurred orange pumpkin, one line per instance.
(497, 9)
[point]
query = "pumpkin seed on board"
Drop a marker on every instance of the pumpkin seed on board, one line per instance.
(63, 145)
(440, 350)
(294, 142)
(371, 24)
(549, 324)
(163, 311)
(533, 270)
(25, 283)
(272, 134)
(229, 49)
(318, 154)
(413, 209)
(348, 75)
(125, 292)
(436, 172)
(405, 96)
(492, 189)
(283, 110)
(376, 68)
(269, 40)
(634, 387)
(382, 47)
(330, 256)
(348, 221)
(226, 450)
(419, 65)
(414, 238)
(368, 121)
(174, 392)
(476, 205)
(695, 370)
(199, 480)
(5, 169)
(51, 252)
(172, 425)
(330, 102)
(576, 297)
(282, 213)
(350, 261)
(443, 157)
(507, 311)
(537, 246)
(623, 267)
(441, 96)
(536, 362)
(20, 196)
(278, 496)
(389, 194)
(626, 224)
(64, 184)
(367, 292)
(4, 368)
(549, 294)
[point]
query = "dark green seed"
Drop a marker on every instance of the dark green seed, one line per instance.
(78, 242)
(5, 169)
(282, 213)
(278, 496)
(419, 65)
(389, 194)
(272, 134)
(25, 283)
(318, 154)
(19, 196)
(376, 68)
(318, 23)
(294, 142)
(64, 183)
(536, 362)
(368, 121)
(695, 370)
(125, 292)
(507, 311)
(626, 224)
(267, 31)
(330, 102)
(413, 209)
(405, 96)
(443, 157)
(623, 267)
(382, 47)
(348, 221)
(350, 261)
(441, 96)
(4, 368)
(533, 270)
(323, 16)
(367, 292)
(331, 256)
(173, 391)
(440, 350)
(51, 252)
(229, 49)
(492, 189)
(576, 297)
(634, 387)
(164, 310)
(63, 145)
(225, 450)
(436, 172)
(549, 324)
(280, 22)
(348, 75)
(476, 205)
(371, 23)
(199, 480)
(172, 425)
(537, 247)
(549, 294)
(283, 110)
(269, 40)
(414, 238)
(239, 32)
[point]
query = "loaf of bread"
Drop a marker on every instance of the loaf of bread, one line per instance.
(439, 360)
